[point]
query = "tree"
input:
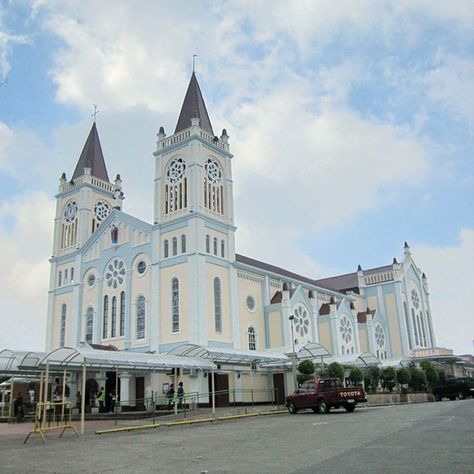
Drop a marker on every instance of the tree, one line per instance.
(374, 374)
(336, 370)
(356, 376)
(403, 376)
(432, 375)
(418, 379)
(306, 371)
(389, 377)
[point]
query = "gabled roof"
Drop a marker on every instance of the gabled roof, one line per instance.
(278, 296)
(193, 106)
(340, 282)
(92, 157)
(362, 316)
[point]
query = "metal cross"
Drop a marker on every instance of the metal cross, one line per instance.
(94, 114)
(194, 62)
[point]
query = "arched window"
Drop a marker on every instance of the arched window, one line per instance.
(252, 339)
(215, 245)
(62, 338)
(222, 249)
(175, 304)
(217, 305)
(407, 322)
(208, 244)
(105, 322)
(113, 329)
(89, 325)
(141, 317)
(175, 246)
(420, 337)
(415, 330)
(183, 244)
(423, 331)
(60, 278)
(166, 248)
(122, 313)
(65, 276)
(72, 275)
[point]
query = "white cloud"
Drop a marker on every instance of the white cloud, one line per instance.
(26, 243)
(450, 275)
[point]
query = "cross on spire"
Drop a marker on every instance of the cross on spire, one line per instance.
(194, 62)
(94, 114)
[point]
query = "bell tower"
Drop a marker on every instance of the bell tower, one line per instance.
(84, 201)
(193, 179)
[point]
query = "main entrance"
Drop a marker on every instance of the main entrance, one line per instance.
(279, 386)
(221, 383)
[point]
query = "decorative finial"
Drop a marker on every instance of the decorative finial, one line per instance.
(194, 63)
(94, 114)
(359, 268)
(394, 261)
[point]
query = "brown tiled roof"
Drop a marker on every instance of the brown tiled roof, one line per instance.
(273, 269)
(102, 347)
(325, 309)
(193, 106)
(278, 296)
(92, 157)
(362, 316)
(340, 283)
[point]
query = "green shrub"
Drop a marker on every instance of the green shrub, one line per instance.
(374, 373)
(432, 374)
(389, 378)
(356, 376)
(306, 367)
(403, 376)
(418, 380)
(336, 370)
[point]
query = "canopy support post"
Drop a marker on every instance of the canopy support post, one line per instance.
(83, 398)
(213, 393)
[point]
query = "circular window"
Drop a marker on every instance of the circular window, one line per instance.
(115, 273)
(70, 211)
(346, 329)
(213, 170)
(250, 303)
(379, 335)
(301, 321)
(176, 169)
(141, 267)
(415, 299)
(101, 210)
(91, 280)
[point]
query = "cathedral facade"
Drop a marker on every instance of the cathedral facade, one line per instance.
(152, 287)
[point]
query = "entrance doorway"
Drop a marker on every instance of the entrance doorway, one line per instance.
(110, 389)
(279, 385)
(140, 393)
(221, 382)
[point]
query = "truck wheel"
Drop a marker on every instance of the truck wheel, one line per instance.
(350, 407)
(323, 407)
(291, 408)
(438, 397)
(461, 395)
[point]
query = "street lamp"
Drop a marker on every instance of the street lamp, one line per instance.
(293, 355)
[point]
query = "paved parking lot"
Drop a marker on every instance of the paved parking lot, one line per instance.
(428, 437)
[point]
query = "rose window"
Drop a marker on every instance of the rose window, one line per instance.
(301, 321)
(176, 170)
(379, 335)
(101, 210)
(345, 328)
(213, 171)
(70, 211)
(115, 273)
(415, 299)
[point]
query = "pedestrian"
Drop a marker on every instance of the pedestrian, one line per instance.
(113, 401)
(170, 395)
(18, 407)
(101, 398)
(180, 394)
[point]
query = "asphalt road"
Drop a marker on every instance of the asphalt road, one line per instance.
(428, 437)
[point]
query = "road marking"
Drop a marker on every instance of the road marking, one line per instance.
(320, 423)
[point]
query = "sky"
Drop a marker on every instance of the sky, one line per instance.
(351, 125)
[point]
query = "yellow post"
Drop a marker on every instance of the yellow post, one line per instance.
(63, 396)
(213, 394)
(38, 418)
(83, 398)
(12, 387)
(116, 394)
(175, 390)
(45, 397)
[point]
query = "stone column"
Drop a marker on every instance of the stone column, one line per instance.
(125, 388)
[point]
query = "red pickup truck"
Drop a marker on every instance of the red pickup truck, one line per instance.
(323, 394)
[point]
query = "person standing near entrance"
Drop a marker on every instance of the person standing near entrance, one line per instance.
(180, 395)
(101, 398)
(113, 401)
(170, 395)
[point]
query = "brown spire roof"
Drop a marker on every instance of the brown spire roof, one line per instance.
(193, 106)
(92, 157)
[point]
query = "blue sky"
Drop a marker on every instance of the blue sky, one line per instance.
(354, 120)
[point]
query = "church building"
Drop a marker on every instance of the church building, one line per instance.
(119, 281)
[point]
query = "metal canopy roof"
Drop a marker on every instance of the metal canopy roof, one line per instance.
(360, 360)
(11, 361)
(74, 359)
(227, 356)
(400, 362)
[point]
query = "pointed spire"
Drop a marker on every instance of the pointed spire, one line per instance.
(193, 107)
(92, 157)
